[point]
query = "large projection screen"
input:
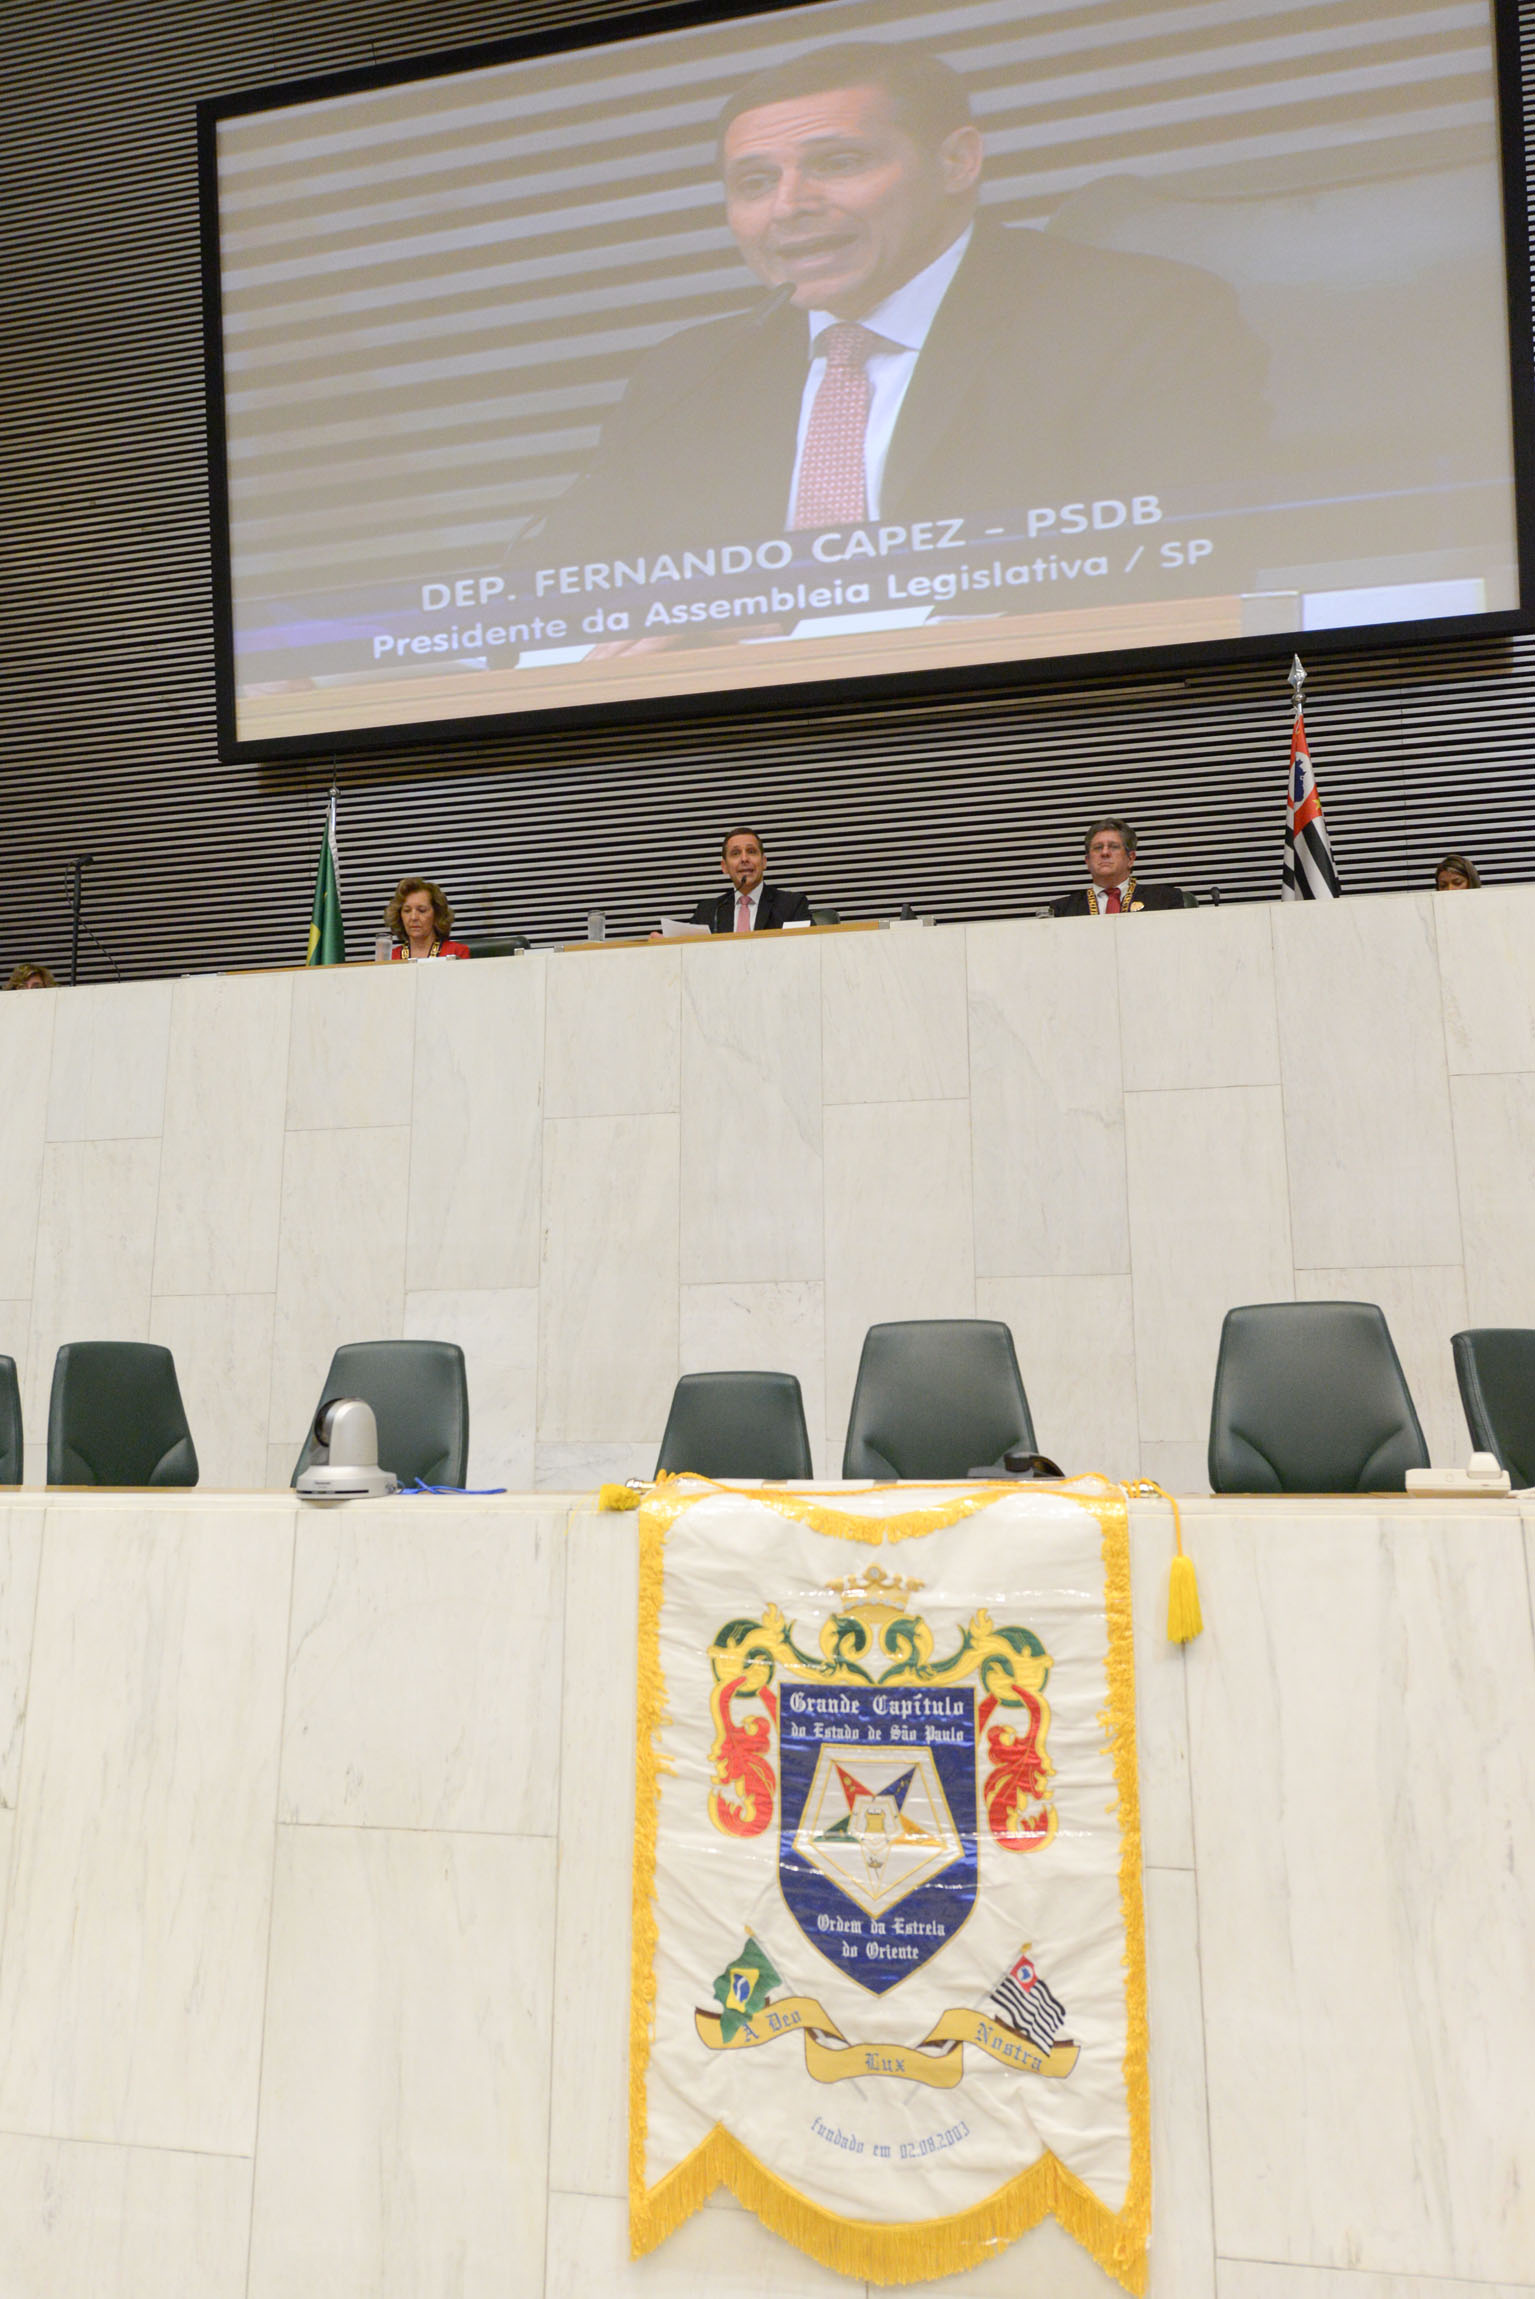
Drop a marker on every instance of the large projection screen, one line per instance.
(1082, 330)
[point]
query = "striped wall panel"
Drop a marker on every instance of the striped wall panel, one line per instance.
(970, 808)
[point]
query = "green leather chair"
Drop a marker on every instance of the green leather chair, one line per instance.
(1310, 1397)
(1495, 1366)
(736, 1425)
(420, 1400)
(10, 1423)
(934, 1398)
(115, 1417)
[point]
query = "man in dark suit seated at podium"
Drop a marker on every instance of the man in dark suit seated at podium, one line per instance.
(747, 906)
(1112, 885)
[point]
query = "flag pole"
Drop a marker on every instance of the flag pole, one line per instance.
(1309, 873)
(327, 937)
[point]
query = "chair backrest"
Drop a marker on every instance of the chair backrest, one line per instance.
(420, 1400)
(10, 1423)
(1495, 1366)
(736, 1425)
(1310, 1397)
(115, 1417)
(495, 945)
(936, 1397)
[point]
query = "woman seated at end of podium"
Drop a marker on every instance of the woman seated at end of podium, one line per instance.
(418, 918)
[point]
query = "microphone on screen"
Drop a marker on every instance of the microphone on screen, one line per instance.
(768, 308)
(749, 323)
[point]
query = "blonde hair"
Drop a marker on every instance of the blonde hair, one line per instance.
(27, 973)
(442, 909)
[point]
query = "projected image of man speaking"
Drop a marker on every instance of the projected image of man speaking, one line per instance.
(911, 361)
(828, 343)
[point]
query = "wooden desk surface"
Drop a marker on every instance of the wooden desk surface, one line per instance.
(609, 942)
(683, 941)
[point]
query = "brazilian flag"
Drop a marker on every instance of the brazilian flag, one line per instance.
(327, 937)
(744, 1987)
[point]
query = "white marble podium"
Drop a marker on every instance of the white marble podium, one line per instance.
(599, 1169)
(316, 1823)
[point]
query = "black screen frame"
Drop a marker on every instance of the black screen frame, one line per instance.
(875, 690)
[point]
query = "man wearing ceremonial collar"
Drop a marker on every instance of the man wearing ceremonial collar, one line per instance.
(913, 360)
(1112, 886)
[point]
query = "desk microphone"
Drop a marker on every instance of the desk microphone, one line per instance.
(77, 870)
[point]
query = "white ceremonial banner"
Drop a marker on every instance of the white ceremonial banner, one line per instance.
(888, 1966)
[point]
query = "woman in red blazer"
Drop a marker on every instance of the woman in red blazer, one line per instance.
(418, 917)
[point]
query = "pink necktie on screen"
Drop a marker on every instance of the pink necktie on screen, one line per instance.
(743, 914)
(831, 489)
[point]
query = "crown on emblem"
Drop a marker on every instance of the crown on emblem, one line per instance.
(874, 1595)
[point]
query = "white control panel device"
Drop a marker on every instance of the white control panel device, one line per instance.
(1481, 1474)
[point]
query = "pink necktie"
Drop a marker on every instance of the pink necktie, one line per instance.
(1113, 903)
(831, 489)
(743, 914)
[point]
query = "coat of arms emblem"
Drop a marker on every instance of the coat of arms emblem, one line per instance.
(888, 1760)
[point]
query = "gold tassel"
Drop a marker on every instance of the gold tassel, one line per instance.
(619, 1497)
(1185, 1621)
(1184, 1618)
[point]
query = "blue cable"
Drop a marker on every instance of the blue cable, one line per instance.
(471, 1492)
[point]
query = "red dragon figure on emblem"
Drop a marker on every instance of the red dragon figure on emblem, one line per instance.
(1015, 1794)
(741, 1797)
(874, 1637)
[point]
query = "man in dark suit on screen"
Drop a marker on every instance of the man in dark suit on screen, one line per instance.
(1112, 885)
(747, 906)
(913, 360)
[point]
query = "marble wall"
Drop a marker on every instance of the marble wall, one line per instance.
(599, 1169)
(316, 1887)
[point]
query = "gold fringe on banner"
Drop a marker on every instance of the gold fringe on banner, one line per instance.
(890, 2252)
(822, 1515)
(651, 1710)
(1120, 1721)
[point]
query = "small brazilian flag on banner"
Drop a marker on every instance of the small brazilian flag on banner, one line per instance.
(744, 1987)
(327, 938)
